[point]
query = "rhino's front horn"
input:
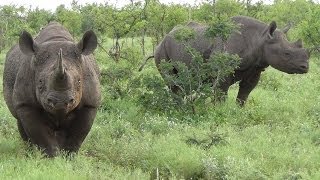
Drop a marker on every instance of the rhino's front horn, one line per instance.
(60, 70)
(298, 43)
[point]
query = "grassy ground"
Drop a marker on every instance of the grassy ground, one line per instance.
(275, 136)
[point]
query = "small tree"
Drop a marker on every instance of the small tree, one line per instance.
(200, 79)
(309, 29)
(12, 22)
(71, 19)
(38, 18)
(122, 22)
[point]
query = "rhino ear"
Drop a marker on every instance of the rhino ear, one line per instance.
(88, 43)
(271, 29)
(26, 43)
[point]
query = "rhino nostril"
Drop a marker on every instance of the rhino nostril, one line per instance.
(71, 101)
(51, 102)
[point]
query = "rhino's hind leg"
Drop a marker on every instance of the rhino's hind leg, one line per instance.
(23, 134)
(172, 86)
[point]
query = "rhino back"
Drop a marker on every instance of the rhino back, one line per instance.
(246, 40)
(170, 48)
(53, 32)
(243, 42)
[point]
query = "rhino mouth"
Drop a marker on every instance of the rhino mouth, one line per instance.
(301, 69)
(298, 69)
(56, 109)
(59, 107)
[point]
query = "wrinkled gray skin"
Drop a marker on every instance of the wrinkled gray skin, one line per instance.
(258, 45)
(51, 86)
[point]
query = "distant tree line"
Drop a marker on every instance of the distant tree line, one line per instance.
(150, 18)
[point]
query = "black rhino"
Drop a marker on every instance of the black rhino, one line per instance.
(51, 86)
(257, 44)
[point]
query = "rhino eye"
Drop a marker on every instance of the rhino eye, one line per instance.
(287, 53)
(76, 55)
(41, 88)
(78, 85)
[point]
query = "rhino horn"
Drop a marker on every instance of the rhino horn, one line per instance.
(60, 71)
(287, 28)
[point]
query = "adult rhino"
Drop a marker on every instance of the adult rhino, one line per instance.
(257, 44)
(51, 86)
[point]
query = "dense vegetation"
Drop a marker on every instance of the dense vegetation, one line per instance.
(142, 133)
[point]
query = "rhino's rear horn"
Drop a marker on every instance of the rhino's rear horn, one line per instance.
(287, 28)
(310, 50)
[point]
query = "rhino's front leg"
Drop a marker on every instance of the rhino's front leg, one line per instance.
(79, 128)
(246, 85)
(36, 127)
(22, 132)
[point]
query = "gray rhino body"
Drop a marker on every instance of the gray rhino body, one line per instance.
(257, 44)
(51, 86)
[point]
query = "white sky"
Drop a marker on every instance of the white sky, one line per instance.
(52, 4)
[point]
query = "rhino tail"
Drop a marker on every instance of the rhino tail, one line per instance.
(145, 62)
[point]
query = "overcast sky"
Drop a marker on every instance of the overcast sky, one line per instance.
(52, 4)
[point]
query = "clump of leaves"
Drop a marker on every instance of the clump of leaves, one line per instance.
(221, 27)
(201, 78)
(113, 79)
(151, 93)
(309, 28)
(210, 140)
(206, 141)
(118, 77)
(184, 34)
(215, 169)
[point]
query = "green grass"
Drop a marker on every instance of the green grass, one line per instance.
(275, 136)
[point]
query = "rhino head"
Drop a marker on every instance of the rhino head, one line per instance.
(58, 70)
(278, 52)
